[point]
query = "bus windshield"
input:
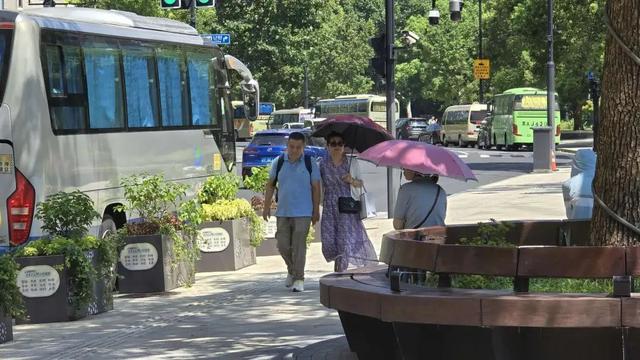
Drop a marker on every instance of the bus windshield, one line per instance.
(531, 102)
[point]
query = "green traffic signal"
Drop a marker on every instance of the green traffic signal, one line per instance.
(205, 3)
(170, 4)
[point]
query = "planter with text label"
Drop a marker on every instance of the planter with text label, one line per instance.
(224, 246)
(44, 284)
(145, 265)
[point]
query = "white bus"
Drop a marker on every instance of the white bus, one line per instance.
(372, 106)
(461, 123)
(90, 96)
(280, 117)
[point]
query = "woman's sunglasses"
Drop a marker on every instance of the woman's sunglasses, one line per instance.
(336, 143)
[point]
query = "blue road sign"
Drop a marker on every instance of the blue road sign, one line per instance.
(220, 39)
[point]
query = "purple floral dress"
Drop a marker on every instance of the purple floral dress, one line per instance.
(342, 234)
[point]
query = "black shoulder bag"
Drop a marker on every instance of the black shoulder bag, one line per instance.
(347, 204)
(430, 210)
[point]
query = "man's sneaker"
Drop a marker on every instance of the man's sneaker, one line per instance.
(289, 281)
(298, 286)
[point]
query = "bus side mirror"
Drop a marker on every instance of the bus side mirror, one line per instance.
(251, 99)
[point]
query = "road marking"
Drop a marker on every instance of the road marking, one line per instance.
(484, 156)
(462, 154)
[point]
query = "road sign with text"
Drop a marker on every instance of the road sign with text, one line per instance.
(481, 69)
(219, 39)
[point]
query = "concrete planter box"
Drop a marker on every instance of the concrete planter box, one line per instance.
(224, 246)
(6, 328)
(145, 265)
(44, 284)
(102, 300)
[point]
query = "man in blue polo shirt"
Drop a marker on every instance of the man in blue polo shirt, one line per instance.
(298, 181)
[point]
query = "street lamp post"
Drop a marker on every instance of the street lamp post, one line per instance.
(480, 55)
(551, 74)
(391, 97)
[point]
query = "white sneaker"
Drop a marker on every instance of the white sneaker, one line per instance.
(298, 286)
(289, 281)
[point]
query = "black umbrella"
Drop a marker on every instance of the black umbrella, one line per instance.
(359, 133)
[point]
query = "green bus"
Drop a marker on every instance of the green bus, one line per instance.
(513, 115)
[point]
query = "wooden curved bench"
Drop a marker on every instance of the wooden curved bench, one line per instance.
(414, 322)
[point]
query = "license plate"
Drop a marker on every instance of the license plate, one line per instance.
(534, 123)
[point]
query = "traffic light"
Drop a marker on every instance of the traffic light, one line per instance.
(186, 4)
(170, 4)
(205, 3)
(378, 62)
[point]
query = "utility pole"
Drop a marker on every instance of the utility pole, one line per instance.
(306, 86)
(192, 13)
(551, 75)
(480, 47)
(391, 99)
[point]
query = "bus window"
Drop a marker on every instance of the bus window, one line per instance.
(140, 86)
(54, 64)
(65, 86)
(378, 107)
(173, 102)
(104, 87)
(201, 88)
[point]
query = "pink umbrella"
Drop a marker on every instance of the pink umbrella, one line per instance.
(420, 157)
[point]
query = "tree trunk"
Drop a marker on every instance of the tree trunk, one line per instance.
(617, 180)
(577, 117)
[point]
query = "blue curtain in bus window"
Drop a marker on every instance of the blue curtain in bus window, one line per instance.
(103, 89)
(73, 70)
(171, 91)
(140, 89)
(199, 86)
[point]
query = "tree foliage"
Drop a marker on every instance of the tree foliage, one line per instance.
(278, 38)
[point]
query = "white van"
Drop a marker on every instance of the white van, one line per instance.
(286, 116)
(461, 123)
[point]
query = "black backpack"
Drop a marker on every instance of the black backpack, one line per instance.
(280, 163)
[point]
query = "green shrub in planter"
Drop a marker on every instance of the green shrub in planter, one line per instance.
(155, 201)
(223, 210)
(11, 304)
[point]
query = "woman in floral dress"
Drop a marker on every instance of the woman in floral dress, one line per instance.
(344, 238)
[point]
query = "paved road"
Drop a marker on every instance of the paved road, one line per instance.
(489, 166)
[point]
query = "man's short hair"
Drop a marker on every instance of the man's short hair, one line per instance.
(297, 136)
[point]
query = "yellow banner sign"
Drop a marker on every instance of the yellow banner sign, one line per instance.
(481, 69)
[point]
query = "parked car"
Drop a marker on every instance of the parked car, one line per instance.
(269, 144)
(432, 134)
(484, 134)
(410, 128)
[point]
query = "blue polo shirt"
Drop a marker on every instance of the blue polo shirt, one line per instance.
(294, 187)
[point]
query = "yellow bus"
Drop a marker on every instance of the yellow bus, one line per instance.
(372, 106)
(244, 128)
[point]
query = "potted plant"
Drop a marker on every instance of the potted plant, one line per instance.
(69, 215)
(157, 252)
(231, 229)
(10, 298)
(57, 274)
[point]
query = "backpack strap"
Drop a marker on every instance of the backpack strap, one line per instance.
(307, 163)
(278, 168)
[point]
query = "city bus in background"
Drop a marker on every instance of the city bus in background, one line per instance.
(372, 106)
(515, 112)
(91, 96)
(461, 123)
(280, 117)
(245, 128)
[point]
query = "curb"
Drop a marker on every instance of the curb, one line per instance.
(569, 150)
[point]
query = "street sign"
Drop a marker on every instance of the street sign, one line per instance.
(481, 69)
(220, 39)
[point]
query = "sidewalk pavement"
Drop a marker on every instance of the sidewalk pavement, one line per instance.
(249, 314)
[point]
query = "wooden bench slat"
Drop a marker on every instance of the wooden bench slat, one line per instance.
(461, 259)
(409, 307)
(571, 262)
(633, 260)
(409, 253)
(631, 311)
(551, 311)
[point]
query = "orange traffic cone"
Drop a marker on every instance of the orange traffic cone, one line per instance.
(554, 166)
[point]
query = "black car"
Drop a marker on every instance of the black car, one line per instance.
(410, 128)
